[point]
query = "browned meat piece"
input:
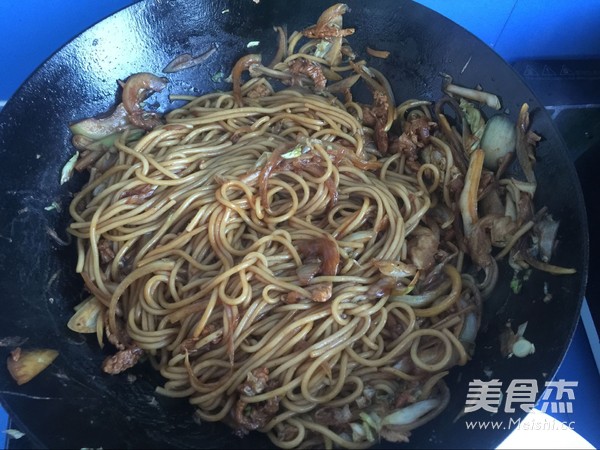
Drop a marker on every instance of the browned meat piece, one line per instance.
(492, 203)
(369, 117)
(414, 137)
(402, 144)
(310, 162)
(139, 194)
(256, 382)
(258, 91)
(252, 416)
(394, 327)
(405, 145)
(379, 110)
(525, 208)
(456, 185)
(321, 292)
(394, 434)
(291, 298)
(105, 251)
(122, 360)
(188, 345)
(129, 353)
(333, 416)
(329, 24)
(376, 117)
(503, 228)
(381, 137)
(136, 89)
(479, 241)
(119, 337)
(325, 249)
(422, 248)
(327, 32)
(419, 128)
(301, 66)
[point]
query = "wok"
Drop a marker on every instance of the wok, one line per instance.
(73, 404)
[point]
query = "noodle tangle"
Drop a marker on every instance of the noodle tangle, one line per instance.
(292, 261)
(216, 289)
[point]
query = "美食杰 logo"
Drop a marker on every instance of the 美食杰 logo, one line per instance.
(557, 397)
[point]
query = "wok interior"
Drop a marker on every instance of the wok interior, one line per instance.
(79, 81)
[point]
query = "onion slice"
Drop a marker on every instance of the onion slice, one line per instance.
(383, 54)
(67, 170)
(525, 144)
(468, 196)
(395, 269)
(411, 413)
(98, 128)
(86, 316)
(24, 365)
(498, 140)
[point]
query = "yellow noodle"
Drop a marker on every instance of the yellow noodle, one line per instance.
(217, 287)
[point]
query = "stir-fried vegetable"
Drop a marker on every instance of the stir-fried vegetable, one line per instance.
(98, 128)
(515, 344)
(486, 98)
(498, 140)
(85, 319)
(67, 169)
(136, 89)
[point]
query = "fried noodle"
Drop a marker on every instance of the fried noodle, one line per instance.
(281, 269)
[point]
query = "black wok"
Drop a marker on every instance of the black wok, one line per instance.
(73, 404)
